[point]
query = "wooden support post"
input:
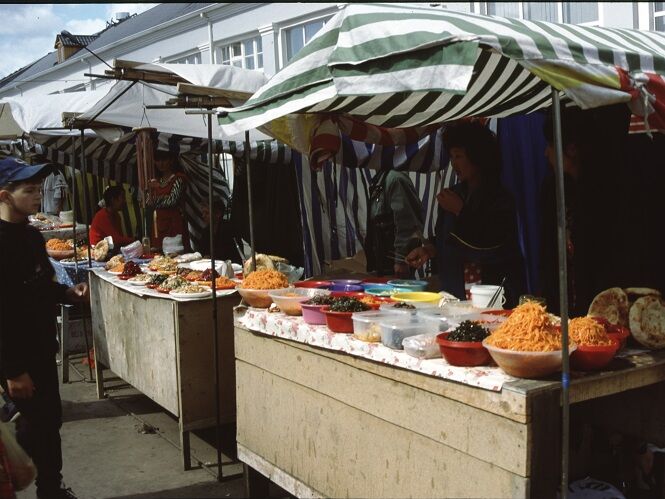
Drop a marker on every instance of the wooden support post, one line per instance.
(145, 165)
(256, 485)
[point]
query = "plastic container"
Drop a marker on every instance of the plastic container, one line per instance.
(422, 346)
(435, 319)
(347, 288)
(408, 284)
(289, 300)
(313, 284)
(462, 353)
(482, 294)
(458, 308)
(258, 298)
(404, 312)
(593, 358)
(393, 331)
(339, 322)
(532, 365)
(313, 314)
(419, 299)
(366, 325)
(488, 321)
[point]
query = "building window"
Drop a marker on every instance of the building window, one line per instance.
(541, 11)
(503, 9)
(194, 58)
(246, 54)
(580, 12)
(298, 36)
(659, 16)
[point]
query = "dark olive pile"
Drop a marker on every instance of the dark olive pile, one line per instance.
(157, 279)
(348, 304)
(207, 275)
(320, 300)
(469, 331)
(404, 305)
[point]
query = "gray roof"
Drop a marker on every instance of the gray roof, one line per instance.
(136, 24)
(75, 40)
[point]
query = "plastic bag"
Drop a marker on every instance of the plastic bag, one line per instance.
(171, 245)
(422, 346)
(22, 469)
(292, 273)
(133, 250)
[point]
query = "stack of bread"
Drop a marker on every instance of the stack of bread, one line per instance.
(642, 310)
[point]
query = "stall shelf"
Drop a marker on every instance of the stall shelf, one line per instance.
(164, 349)
(322, 423)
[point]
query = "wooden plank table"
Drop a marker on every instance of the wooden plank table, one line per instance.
(325, 424)
(165, 349)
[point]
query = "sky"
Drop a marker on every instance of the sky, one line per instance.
(27, 31)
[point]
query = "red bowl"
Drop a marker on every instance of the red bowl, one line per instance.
(313, 284)
(463, 353)
(350, 294)
(615, 331)
(338, 322)
(592, 358)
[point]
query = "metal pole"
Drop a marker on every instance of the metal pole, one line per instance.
(220, 474)
(87, 231)
(563, 292)
(249, 201)
(74, 189)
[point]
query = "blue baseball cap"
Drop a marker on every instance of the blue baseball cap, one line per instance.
(16, 170)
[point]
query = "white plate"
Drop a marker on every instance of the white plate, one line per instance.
(191, 295)
(114, 273)
(224, 292)
(137, 283)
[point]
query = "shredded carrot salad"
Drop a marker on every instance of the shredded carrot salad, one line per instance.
(528, 329)
(265, 279)
(587, 331)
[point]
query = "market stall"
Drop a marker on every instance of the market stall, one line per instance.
(389, 73)
(161, 345)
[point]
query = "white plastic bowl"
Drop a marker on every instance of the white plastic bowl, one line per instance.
(259, 298)
(532, 365)
(289, 300)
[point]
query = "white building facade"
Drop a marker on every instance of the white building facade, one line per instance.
(265, 36)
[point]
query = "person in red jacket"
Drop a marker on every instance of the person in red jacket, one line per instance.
(166, 195)
(107, 220)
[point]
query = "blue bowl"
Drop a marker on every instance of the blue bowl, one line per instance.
(346, 282)
(409, 284)
(346, 287)
(379, 289)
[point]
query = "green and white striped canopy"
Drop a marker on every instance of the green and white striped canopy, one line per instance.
(399, 66)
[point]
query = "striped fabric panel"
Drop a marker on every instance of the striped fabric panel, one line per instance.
(398, 50)
(334, 200)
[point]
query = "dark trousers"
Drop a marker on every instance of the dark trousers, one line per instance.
(38, 430)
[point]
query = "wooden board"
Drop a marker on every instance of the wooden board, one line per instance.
(136, 338)
(346, 452)
(463, 428)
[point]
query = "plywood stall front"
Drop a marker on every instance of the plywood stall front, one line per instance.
(165, 349)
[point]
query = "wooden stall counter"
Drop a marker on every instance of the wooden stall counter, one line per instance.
(165, 349)
(322, 423)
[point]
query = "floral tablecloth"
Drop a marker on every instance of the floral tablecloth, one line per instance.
(296, 329)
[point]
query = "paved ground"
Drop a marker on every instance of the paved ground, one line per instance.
(108, 454)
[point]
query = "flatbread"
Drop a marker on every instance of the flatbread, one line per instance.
(611, 305)
(640, 292)
(647, 322)
(101, 250)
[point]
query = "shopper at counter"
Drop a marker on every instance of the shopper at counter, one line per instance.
(477, 220)
(106, 221)
(395, 223)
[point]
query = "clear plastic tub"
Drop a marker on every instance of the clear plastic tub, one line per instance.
(422, 346)
(394, 330)
(366, 324)
(436, 319)
(403, 312)
(489, 321)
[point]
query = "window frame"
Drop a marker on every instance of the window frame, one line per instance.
(653, 14)
(283, 60)
(560, 13)
(174, 59)
(228, 43)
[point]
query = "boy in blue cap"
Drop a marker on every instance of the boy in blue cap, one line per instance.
(28, 298)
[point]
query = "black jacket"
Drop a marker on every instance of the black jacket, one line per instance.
(28, 298)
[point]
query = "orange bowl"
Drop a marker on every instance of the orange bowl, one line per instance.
(593, 357)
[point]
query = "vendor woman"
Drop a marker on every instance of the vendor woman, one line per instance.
(477, 221)
(106, 221)
(166, 195)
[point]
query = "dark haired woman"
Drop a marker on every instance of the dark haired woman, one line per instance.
(477, 220)
(167, 196)
(106, 221)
